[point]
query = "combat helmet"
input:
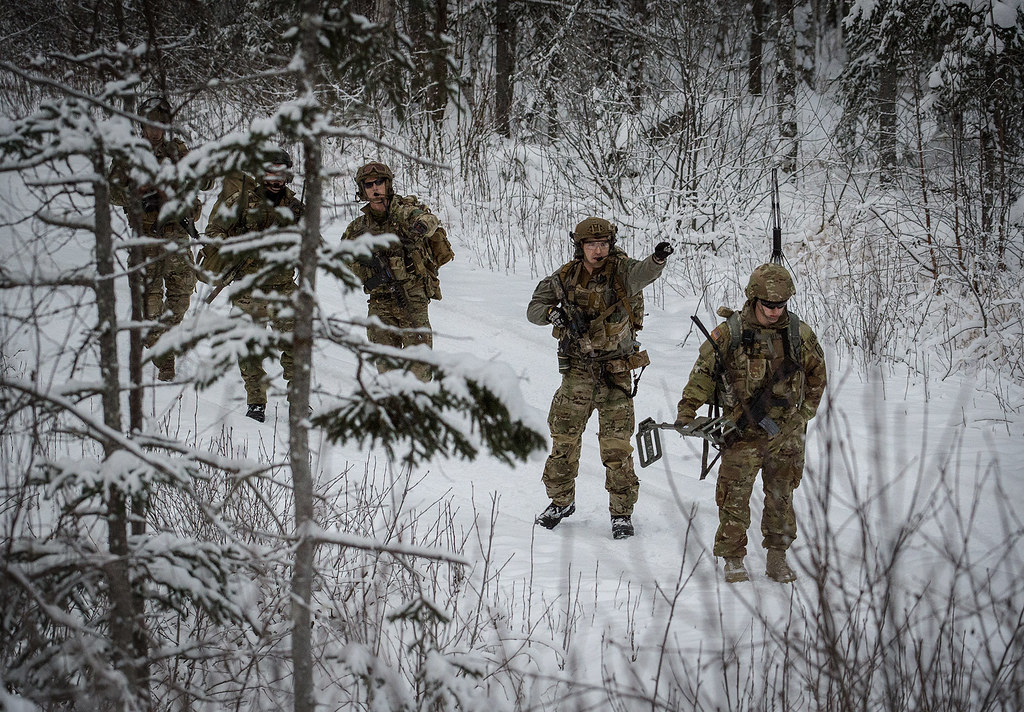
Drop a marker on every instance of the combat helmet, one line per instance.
(156, 108)
(277, 166)
(373, 169)
(770, 282)
(592, 229)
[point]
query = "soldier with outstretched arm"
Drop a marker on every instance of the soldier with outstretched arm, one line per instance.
(774, 376)
(594, 303)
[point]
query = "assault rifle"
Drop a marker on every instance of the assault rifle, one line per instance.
(755, 412)
(228, 278)
(384, 276)
(190, 227)
(577, 332)
(151, 201)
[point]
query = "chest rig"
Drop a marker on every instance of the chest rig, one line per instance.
(756, 354)
(607, 312)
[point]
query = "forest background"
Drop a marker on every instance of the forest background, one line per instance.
(147, 568)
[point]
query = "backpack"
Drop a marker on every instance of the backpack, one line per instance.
(438, 250)
(232, 183)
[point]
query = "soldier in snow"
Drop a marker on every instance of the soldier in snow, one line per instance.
(270, 205)
(594, 303)
(770, 362)
(169, 274)
(400, 279)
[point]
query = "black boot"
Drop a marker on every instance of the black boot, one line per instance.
(257, 411)
(622, 527)
(551, 516)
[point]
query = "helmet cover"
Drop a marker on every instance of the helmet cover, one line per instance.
(156, 109)
(594, 229)
(770, 282)
(277, 165)
(375, 170)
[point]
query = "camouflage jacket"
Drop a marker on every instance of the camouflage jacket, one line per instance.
(605, 293)
(751, 363)
(410, 258)
(260, 215)
(124, 191)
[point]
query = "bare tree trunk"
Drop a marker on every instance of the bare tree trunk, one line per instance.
(923, 175)
(986, 180)
(298, 387)
(125, 607)
(504, 66)
(417, 30)
(785, 83)
(438, 92)
(887, 121)
(754, 82)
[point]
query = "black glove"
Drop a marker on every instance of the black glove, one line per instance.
(662, 250)
(557, 317)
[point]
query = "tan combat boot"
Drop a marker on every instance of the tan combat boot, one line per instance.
(735, 572)
(777, 568)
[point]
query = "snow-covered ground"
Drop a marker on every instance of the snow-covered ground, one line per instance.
(891, 451)
(896, 461)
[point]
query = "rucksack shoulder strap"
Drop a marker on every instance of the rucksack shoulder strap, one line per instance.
(735, 331)
(793, 341)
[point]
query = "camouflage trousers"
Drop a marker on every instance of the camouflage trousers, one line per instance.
(253, 375)
(781, 462)
(168, 280)
(580, 395)
(411, 327)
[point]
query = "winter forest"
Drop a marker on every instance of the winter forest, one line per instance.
(371, 546)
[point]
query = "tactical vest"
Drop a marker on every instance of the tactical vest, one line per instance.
(752, 365)
(259, 215)
(606, 333)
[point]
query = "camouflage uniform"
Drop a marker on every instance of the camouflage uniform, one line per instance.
(169, 275)
(600, 381)
(261, 214)
(780, 459)
(403, 304)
